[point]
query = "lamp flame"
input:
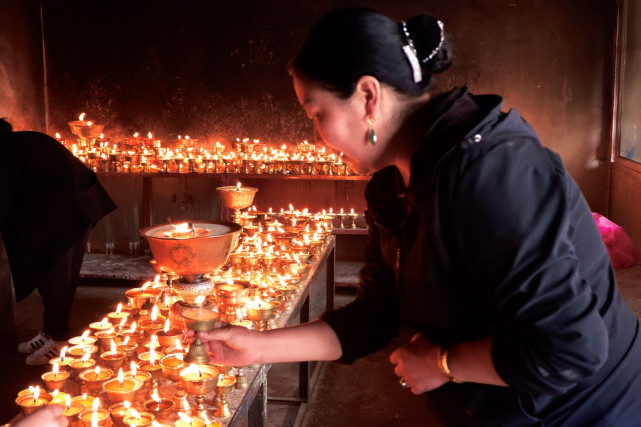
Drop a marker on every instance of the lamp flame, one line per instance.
(152, 355)
(96, 404)
(63, 352)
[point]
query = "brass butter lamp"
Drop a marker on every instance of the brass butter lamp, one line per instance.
(199, 319)
(237, 198)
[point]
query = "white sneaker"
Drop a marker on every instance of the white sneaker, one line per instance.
(44, 354)
(34, 343)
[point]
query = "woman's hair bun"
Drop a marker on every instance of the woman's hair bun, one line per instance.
(432, 47)
(349, 43)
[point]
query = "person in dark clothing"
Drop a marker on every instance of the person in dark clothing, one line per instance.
(50, 202)
(477, 232)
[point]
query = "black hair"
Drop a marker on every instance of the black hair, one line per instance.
(347, 44)
(5, 126)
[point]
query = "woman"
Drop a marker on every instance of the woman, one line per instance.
(475, 227)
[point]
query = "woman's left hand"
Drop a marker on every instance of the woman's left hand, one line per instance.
(417, 364)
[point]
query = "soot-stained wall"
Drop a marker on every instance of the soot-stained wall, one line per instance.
(22, 99)
(216, 69)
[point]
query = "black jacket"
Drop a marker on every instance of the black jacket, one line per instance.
(49, 199)
(494, 239)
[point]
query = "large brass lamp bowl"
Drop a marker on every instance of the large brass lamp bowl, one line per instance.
(190, 256)
(191, 250)
(86, 130)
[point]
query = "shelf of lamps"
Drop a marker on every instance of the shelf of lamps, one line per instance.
(239, 176)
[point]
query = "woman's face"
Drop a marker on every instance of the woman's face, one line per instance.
(340, 123)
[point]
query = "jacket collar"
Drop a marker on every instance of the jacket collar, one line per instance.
(453, 117)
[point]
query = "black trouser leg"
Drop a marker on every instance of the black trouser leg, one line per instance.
(58, 290)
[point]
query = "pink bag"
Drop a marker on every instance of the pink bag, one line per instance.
(622, 250)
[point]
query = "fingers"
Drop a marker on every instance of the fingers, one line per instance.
(415, 364)
(220, 334)
(49, 416)
(233, 345)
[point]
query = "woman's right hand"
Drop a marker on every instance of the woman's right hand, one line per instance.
(231, 346)
(238, 346)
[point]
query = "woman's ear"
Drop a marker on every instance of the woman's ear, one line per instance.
(369, 90)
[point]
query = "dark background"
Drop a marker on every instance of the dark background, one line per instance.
(198, 68)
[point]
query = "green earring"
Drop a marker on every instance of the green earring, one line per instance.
(372, 134)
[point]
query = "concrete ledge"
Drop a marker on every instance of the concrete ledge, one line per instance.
(346, 273)
(119, 267)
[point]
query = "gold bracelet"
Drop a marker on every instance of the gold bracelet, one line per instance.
(444, 368)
